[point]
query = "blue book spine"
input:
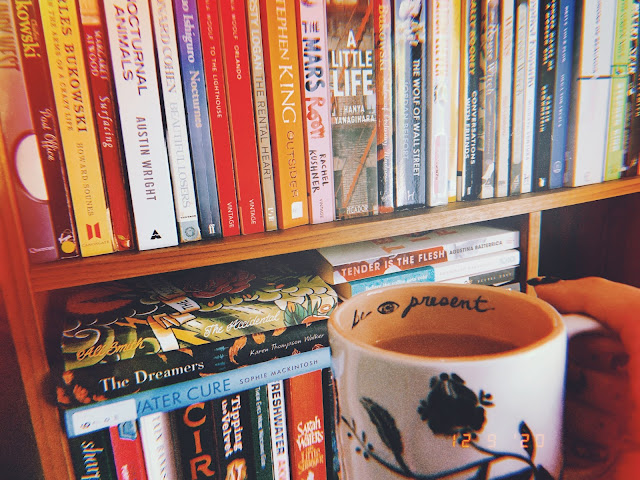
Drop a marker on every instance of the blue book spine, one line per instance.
(563, 92)
(90, 418)
(426, 274)
(193, 80)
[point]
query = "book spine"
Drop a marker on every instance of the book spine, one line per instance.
(37, 80)
(314, 70)
(116, 379)
(518, 106)
(331, 441)
(619, 86)
(455, 37)
(128, 456)
(438, 272)
(547, 68)
(285, 110)
(219, 116)
(26, 170)
(63, 39)
(490, 48)
(494, 277)
(158, 444)
(632, 125)
(505, 92)
(175, 121)
(194, 86)
(92, 457)
(196, 443)
(233, 22)
(471, 128)
(88, 418)
(383, 51)
(94, 38)
(138, 95)
(261, 429)
(410, 61)
(261, 112)
(592, 87)
(439, 98)
(566, 20)
(279, 433)
(306, 422)
(233, 435)
(530, 110)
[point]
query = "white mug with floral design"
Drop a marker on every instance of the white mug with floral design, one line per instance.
(444, 381)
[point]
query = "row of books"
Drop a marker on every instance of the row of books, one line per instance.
(379, 110)
(277, 431)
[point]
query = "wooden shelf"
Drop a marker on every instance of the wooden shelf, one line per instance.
(84, 271)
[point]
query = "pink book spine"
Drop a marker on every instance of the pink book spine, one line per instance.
(314, 67)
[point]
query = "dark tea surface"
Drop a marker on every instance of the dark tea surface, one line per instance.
(445, 345)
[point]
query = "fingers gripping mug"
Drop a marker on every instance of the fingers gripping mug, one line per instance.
(443, 381)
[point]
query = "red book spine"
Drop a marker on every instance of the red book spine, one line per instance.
(108, 126)
(127, 451)
(219, 116)
(37, 80)
(306, 422)
(233, 22)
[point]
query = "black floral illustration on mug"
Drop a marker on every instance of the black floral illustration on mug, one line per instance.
(451, 408)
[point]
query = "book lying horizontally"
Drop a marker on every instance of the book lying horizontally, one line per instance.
(439, 272)
(345, 263)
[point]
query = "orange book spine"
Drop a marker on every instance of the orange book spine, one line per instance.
(285, 110)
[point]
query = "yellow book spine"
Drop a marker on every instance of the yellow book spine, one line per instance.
(285, 111)
(62, 34)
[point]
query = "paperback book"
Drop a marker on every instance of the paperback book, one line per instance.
(158, 444)
(128, 456)
(232, 432)
(195, 441)
(505, 93)
(366, 259)
(518, 101)
(92, 457)
(258, 401)
(279, 433)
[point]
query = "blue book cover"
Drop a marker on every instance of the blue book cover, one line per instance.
(193, 80)
(566, 20)
(90, 418)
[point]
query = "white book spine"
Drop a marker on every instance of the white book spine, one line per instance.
(136, 83)
(505, 89)
(184, 194)
(530, 97)
(279, 437)
(473, 266)
(592, 114)
(519, 83)
(156, 435)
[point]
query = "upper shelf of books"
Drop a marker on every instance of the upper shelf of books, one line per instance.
(83, 271)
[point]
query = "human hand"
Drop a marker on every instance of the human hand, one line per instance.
(602, 413)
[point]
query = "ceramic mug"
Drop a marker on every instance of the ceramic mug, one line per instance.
(444, 381)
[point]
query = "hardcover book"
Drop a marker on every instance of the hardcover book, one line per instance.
(383, 51)
(233, 23)
(314, 70)
(158, 444)
(505, 92)
(546, 82)
(22, 149)
(136, 83)
(410, 62)
(353, 107)
(518, 104)
(258, 401)
(68, 70)
(471, 102)
(284, 101)
(233, 435)
(438, 272)
(115, 379)
(95, 42)
(175, 121)
(92, 456)
(194, 86)
(120, 320)
(261, 113)
(345, 263)
(305, 418)
(196, 443)
(219, 116)
(37, 83)
(128, 456)
(279, 433)
(591, 89)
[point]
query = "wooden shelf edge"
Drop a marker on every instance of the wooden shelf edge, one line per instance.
(84, 271)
